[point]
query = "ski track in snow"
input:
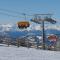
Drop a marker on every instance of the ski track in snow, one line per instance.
(23, 53)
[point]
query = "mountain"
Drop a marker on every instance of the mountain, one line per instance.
(16, 34)
(23, 33)
(13, 31)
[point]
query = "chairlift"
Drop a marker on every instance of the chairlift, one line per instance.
(23, 24)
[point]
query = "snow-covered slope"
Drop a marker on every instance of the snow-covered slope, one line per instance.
(22, 53)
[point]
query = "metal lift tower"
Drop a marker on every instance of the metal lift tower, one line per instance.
(40, 19)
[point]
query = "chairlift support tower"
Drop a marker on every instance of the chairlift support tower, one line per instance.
(40, 19)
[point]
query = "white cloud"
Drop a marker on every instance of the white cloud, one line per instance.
(35, 27)
(53, 27)
(8, 27)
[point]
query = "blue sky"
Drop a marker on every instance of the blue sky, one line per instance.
(28, 7)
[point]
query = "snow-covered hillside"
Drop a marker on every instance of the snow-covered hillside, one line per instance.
(22, 53)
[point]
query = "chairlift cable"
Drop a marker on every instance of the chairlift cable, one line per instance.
(5, 10)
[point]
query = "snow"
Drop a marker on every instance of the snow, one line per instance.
(23, 53)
